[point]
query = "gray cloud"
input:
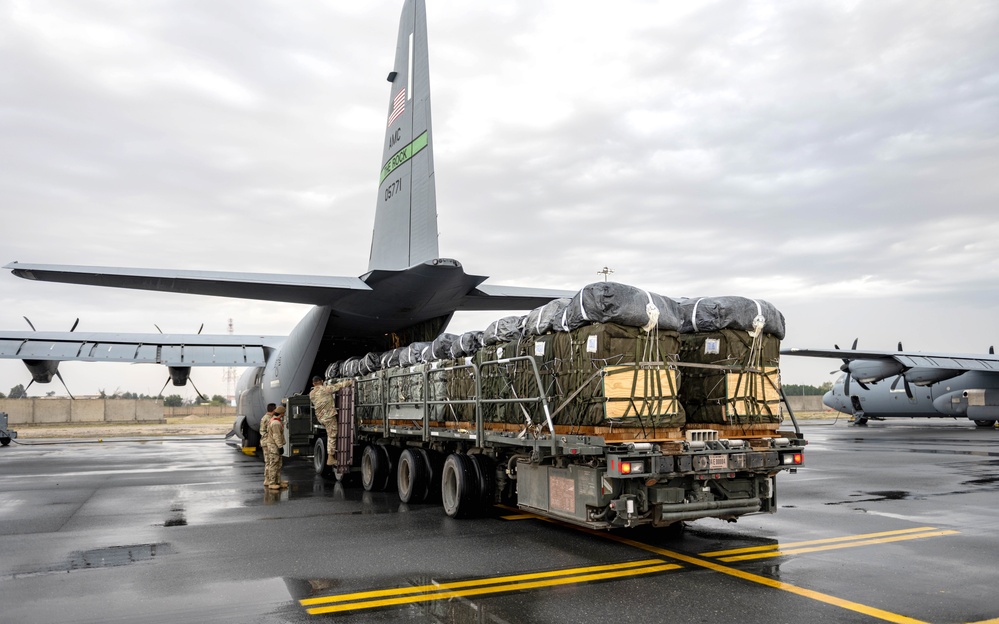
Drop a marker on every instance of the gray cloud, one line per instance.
(835, 158)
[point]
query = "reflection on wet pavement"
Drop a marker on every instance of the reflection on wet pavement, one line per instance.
(112, 556)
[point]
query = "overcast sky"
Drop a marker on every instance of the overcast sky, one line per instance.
(838, 159)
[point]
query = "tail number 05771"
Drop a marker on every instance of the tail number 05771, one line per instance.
(393, 188)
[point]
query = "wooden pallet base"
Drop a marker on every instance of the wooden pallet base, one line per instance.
(611, 434)
(758, 430)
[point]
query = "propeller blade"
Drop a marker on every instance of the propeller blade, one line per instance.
(30, 324)
(863, 385)
(200, 396)
(900, 345)
(200, 328)
(77, 322)
(157, 328)
(855, 340)
(992, 350)
(164, 384)
(905, 384)
(846, 384)
(59, 375)
(28, 386)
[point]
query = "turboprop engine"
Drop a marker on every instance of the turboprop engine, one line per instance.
(976, 404)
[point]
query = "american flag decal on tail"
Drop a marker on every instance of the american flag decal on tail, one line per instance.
(398, 105)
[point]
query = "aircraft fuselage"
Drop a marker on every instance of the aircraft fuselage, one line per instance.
(948, 398)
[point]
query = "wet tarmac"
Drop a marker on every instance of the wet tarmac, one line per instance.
(895, 522)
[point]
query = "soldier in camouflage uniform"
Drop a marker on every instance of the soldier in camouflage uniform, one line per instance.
(263, 433)
(323, 399)
(272, 451)
(263, 430)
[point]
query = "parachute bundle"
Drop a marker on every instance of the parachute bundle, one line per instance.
(733, 395)
(608, 358)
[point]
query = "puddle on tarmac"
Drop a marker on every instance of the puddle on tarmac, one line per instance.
(110, 557)
(884, 495)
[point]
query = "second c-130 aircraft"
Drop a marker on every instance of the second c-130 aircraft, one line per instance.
(911, 384)
(408, 294)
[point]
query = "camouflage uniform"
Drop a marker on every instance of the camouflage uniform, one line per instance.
(272, 451)
(263, 439)
(324, 402)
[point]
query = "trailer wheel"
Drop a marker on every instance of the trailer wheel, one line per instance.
(375, 468)
(392, 454)
(319, 458)
(4, 441)
(459, 486)
(984, 423)
(434, 462)
(485, 473)
(413, 477)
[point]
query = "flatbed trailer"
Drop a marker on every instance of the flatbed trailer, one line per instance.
(403, 429)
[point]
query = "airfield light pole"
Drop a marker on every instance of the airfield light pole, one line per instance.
(606, 271)
(230, 378)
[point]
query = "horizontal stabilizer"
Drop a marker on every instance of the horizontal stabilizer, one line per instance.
(310, 289)
(495, 297)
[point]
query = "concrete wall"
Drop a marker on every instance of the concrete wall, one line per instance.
(806, 403)
(52, 411)
(200, 410)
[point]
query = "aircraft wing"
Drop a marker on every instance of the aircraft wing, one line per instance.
(909, 359)
(493, 297)
(310, 289)
(167, 349)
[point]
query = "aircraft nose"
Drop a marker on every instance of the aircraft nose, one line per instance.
(828, 399)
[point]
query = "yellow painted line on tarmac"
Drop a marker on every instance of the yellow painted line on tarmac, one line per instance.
(849, 605)
(476, 587)
(992, 621)
(848, 541)
(845, 538)
(868, 542)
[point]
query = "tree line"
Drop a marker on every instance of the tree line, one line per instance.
(173, 400)
(805, 390)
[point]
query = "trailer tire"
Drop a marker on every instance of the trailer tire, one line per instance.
(375, 465)
(984, 423)
(485, 472)
(434, 462)
(392, 454)
(4, 441)
(413, 477)
(319, 458)
(459, 486)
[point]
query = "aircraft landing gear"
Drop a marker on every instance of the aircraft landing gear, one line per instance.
(859, 420)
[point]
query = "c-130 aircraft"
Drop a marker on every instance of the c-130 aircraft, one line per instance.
(924, 385)
(408, 294)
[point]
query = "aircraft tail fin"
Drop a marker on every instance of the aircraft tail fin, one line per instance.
(405, 231)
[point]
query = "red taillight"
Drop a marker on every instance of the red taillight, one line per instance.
(625, 468)
(794, 459)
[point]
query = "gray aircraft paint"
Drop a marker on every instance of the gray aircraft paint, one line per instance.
(405, 230)
(885, 373)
